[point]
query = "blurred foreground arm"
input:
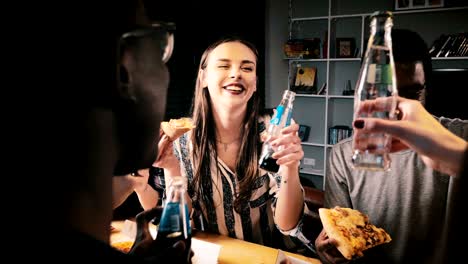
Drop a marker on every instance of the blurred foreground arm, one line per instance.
(123, 186)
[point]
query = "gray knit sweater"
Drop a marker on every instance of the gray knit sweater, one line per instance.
(411, 201)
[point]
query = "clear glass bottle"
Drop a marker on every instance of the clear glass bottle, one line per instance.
(175, 219)
(377, 79)
(281, 119)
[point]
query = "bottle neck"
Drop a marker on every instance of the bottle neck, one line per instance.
(380, 30)
(288, 99)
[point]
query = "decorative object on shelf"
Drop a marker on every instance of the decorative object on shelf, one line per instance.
(323, 89)
(312, 48)
(345, 47)
(304, 132)
(308, 166)
(417, 4)
(348, 90)
(305, 80)
(338, 133)
(303, 48)
(293, 48)
(453, 45)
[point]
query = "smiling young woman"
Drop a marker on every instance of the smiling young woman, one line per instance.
(220, 155)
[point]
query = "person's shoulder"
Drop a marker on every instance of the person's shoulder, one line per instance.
(456, 125)
(344, 145)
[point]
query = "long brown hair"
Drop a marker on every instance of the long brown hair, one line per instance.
(204, 138)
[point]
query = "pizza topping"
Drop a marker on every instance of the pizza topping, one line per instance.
(175, 128)
(352, 230)
(123, 246)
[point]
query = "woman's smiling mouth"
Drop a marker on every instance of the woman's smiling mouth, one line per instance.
(234, 88)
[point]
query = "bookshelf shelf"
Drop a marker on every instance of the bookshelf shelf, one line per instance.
(449, 58)
(310, 95)
(312, 144)
(312, 172)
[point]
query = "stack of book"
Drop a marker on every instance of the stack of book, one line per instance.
(453, 45)
(338, 133)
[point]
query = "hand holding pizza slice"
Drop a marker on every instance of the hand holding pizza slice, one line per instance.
(351, 230)
(177, 127)
(170, 131)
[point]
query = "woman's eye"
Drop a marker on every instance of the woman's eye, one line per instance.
(248, 69)
(223, 66)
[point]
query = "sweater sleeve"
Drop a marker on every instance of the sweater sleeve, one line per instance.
(336, 184)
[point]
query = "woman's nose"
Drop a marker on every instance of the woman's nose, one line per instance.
(235, 73)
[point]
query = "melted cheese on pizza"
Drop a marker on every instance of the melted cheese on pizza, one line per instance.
(355, 228)
(123, 246)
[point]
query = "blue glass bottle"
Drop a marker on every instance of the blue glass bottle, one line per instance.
(175, 219)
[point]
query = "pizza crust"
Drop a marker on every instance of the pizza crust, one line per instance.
(344, 244)
(123, 246)
(177, 127)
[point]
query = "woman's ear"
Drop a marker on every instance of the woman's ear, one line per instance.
(201, 76)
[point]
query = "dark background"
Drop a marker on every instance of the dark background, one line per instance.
(446, 96)
(200, 23)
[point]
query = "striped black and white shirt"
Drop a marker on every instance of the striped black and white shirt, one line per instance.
(255, 223)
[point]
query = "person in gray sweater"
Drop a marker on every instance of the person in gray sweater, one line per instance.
(414, 200)
(439, 149)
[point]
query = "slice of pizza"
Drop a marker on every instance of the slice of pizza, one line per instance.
(123, 246)
(352, 230)
(177, 127)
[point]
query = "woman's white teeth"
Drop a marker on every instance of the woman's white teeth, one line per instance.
(234, 88)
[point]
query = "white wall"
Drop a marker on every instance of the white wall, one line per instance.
(276, 34)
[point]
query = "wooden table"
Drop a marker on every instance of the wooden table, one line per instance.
(232, 250)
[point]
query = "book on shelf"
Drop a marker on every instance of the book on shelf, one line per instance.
(453, 45)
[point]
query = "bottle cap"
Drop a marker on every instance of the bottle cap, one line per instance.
(382, 14)
(290, 92)
(177, 181)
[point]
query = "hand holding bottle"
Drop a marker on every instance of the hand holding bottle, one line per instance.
(377, 79)
(282, 118)
(288, 148)
(418, 130)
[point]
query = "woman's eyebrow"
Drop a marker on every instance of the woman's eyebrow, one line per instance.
(242, 62)
(248, 62)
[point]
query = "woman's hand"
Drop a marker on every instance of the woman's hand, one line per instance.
(165, 158)
(417, 129)
(288, 147)
(139, 180)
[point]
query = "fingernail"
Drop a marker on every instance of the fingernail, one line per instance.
(359, 124)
